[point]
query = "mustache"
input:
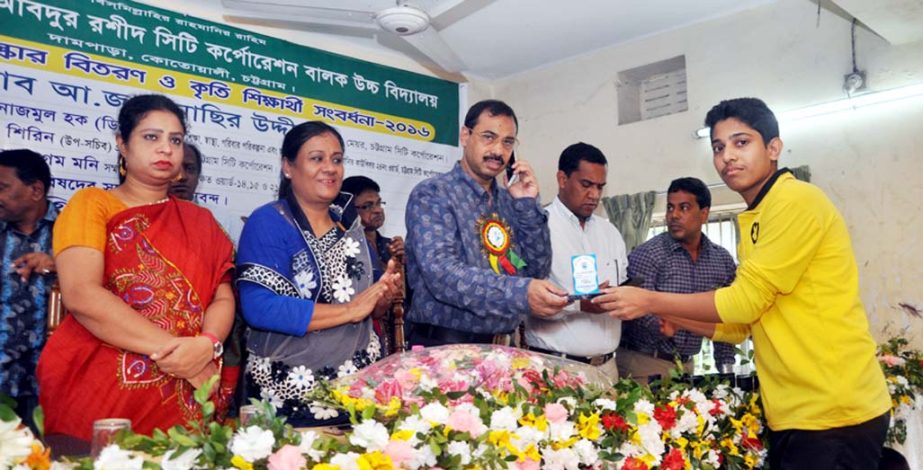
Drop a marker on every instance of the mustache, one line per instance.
(498, 158)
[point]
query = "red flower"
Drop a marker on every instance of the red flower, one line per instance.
(717, 409)
(666, 416)
(752, 443)
(632, 463)
(674, 460)
(614, 422)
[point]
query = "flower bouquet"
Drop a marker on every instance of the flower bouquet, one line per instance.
(903, 369)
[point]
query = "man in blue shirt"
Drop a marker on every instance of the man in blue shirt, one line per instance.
(26, 222)
(477, 251)
(681, 260)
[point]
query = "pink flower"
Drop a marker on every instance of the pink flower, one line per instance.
(287, 458)
(528, 464)
(555, 413)
(463, 421)
(892, 360)
(399, 451)
(386, 390)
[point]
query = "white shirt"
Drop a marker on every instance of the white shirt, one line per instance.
(571, 331)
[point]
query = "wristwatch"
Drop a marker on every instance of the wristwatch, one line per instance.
(217, 346)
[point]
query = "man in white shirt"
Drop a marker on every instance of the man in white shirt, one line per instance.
(581, 331)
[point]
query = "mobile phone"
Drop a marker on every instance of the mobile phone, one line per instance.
(509, 169)
(576, 297)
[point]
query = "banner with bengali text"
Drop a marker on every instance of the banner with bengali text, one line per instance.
(66, 67)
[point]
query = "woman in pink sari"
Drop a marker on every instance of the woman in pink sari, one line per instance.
(146, 280)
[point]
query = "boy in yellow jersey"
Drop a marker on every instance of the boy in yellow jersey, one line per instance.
(797, 294)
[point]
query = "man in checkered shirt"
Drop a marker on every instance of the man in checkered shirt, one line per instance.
(680, 260)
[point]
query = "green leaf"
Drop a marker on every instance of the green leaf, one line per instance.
(208, 409)
(7, 413)
(38, 417)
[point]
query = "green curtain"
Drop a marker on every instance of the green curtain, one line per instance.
(802, 172)
(631, 214)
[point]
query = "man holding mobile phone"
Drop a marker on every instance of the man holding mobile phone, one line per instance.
(588, 254)
(478, 250)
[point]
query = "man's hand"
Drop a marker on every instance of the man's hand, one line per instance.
(526, 185)
(587, 306)
(624, 303)
(545, 298)
(396, 248)
(667, 328)
(35, 262)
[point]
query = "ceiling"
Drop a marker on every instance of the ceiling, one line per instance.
(499, 38)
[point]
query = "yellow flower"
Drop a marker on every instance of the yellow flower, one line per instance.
(239, 462)
(325, 466)
(375, 461)
(683, 442)
(39, 459)
(392, 408)
(588, 426)
(416, 372)
(520, 363)
(643, 418)
(343, 398)
(363, 403)
(501, 440)
(728, 444)
(558, 445)
(402, 435)
(531, 453)
(540, 423)
(649, 459)
(750, 461)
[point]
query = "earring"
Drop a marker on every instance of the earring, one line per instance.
(288, 175)
(179, 177)
(122, 170)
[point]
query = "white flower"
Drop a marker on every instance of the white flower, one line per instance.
(347, 368)
(343, 289)
(322, 412)
(350, 247)
(346, 461)
(688, 421)
(370, 435)
(307, 445)
(416, 424)
(460, 449)
(185, 461)
(645, 407)
(605, 404)
(306, 282)
(587, 452)
(504, 418)
(252, 443)
(15, 442)
(651, 440)
(270, 395)
(564, 459)
(114, 458)
(561, 431)
(527, 435)
(301, 377)
(713, 458)
(62, 466)
(424, 458)
(435, 413)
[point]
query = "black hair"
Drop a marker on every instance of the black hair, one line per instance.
(579, 152)
(196, 153)
(356, 185)
(692, 186)
(30, 166)
(133, 111)
(295, 138)
(750, 111)
(493, 108)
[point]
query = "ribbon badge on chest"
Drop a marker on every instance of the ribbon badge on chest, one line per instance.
(496, 237)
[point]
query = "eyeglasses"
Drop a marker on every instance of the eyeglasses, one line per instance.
(371, 205)
(488, 139)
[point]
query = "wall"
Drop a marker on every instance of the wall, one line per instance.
(869, 162)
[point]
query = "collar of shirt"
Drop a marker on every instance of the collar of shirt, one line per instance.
(558, 206)
(459, 174)
(705, 245)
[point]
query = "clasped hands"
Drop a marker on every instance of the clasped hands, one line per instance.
(187, 357)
